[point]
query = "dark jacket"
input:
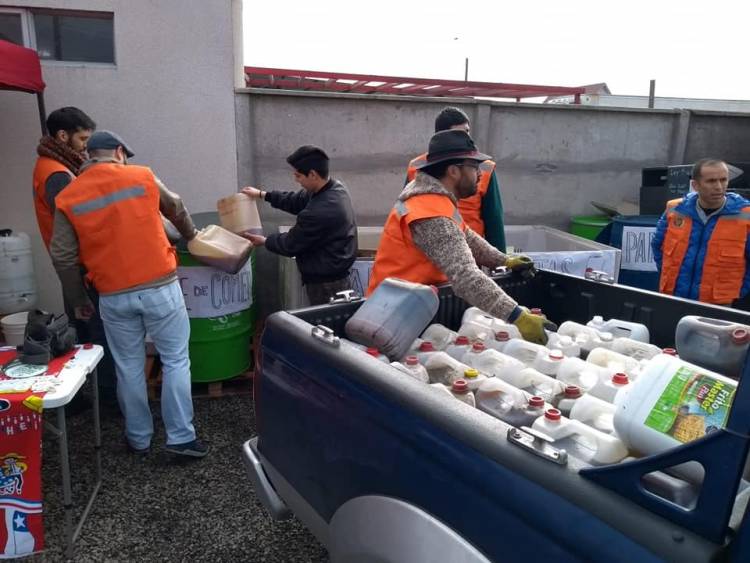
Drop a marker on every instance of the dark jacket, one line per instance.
(324, 238)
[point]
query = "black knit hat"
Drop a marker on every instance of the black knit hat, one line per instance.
(453, 144)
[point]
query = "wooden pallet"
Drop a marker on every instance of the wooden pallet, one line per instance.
(239, 385)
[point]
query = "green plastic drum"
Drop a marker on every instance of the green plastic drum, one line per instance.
(588, 226)
(222, 313)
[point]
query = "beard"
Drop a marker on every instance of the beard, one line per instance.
(466, 188)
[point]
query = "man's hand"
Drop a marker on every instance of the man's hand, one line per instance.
(532, 327)
(85, 312)
(518, 262)
(257, 240)
(253, 193)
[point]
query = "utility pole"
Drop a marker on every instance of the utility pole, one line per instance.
(651, 92)
(466, 70)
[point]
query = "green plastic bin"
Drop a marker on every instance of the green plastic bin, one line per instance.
(588, 226)
(219, 343)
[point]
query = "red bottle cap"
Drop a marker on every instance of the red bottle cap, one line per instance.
(412, 361)
(556, 355)
(478, 346)
(502, 336)
(88, 346)
(573, 391)
(536, 311)
(462, 340)
(552, 414)
(426, 346)
(373, 352)
(740, 336)
(536, 402)
(620, 379)
(460, 386)
(669, 351)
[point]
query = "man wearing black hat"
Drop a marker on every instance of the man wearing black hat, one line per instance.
(425, 239)
(324, 237)
(108, 220)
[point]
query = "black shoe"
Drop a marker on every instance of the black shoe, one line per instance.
(196, 448)
(137, 451)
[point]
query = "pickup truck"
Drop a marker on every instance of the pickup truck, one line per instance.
(382, 468)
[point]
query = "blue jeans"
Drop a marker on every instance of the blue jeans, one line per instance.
(161, 312)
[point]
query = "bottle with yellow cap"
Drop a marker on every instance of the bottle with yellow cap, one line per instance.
(473, 378)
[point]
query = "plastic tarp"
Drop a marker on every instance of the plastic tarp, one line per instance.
(20, 69)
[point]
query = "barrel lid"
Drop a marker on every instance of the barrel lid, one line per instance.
(740, 336)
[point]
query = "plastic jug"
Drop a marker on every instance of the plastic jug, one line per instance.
(594, 412)
(412, 367)
(425, 350)
(569, 347)
(496, 364)
(720, 346)
(673, 402)
(497, 397)
(511, 370)
(442, 389)
(458, 348)
(524, 350)
(635, 348)
(537, 383)
(473, 378)
(17, 282)
(586, 337)
(620, 328)
(220, 248)
(460, 390)
(569, 398)
(238, 213)
(439, 335)
(580, 441)
(549, 363)
(414, 348)
(575, 371)
(608, 388)
(444, 369)
(493, 324)
(375, 353)
(498, 340)
(615, 362)
(475, 332)
(393, 316)
(472, 354)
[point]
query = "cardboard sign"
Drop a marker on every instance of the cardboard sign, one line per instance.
(636, 249)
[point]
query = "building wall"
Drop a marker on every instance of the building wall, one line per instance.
(170, 95)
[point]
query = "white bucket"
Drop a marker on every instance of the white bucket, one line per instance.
(14, 327)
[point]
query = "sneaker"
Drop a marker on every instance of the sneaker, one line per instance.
(136, 451)
(196, 448)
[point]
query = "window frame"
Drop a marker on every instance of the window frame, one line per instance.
(80, 13)
(27, 31)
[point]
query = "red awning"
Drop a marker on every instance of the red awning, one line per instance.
(20, 69)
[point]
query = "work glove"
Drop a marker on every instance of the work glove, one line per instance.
(532, 327)
(518, 262)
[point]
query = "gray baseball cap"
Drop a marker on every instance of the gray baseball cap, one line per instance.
(109, 141)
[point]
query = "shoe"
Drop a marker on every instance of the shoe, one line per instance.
(196, 448)
(136, 451)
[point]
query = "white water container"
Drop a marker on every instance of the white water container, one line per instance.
(414, 348)
(412, 367)
(511, 370)
(496, 364)
(615, 362)
(475, 332)
(635, 348)
(497, 397)
(524, 350)
(569, 398)
(439, 335)
(594, 412)
(549, 363)
(620, 328)
(498, 340)
(472, 354)
(569, 347)
(537, 383)
(586, 337)
(673, 402)
(426, 349)
(493, 324)
(442, 389)
(580, 441)
(444, 369)
(474, 378)
(17, 283)
(458, 348)
(718, 345)
(608, 388)
(578, 372)
(460, 390)
(238, 213)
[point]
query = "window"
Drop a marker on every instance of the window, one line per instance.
(74, 36)
(11, 27)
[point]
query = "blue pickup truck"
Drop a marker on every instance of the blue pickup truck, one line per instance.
(382, 469)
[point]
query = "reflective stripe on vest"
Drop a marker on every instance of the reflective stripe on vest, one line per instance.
(43, 169)
(114, 210)
(397, 255)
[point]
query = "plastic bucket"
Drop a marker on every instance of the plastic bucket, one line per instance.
(14, 327)
(588, 226)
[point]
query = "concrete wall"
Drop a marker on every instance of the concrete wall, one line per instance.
(169, 94)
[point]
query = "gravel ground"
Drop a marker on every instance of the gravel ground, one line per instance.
(161, 508)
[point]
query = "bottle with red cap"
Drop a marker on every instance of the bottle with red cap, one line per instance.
(459, 347)
(425, 350)
(720, 346)
(491, 324)
(375, 353)
(497, 340)
(440, 336)
(566, 401)
(579, 440)
(499, 398)
(460, 390)
(549, 363)
(472, 354)
(412, 367)
(608, 388)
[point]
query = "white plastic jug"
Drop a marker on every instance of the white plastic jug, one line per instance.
(439, 335)
(444, 391)
(458, 348)
(460, 390)
(426, 349)
(569, 347)
(414, 348)
(594, 412)
(524, 350)
(498, 340)
(537, 383)
(393, 316)
(580, 441)
(17, 283)
(497, 397)
(549, 363)
(493, 324)
(635, 348)
(569, 398)
(615, 362)
(718, 345)
(220, 248)
(474, 378)
(672, 403)
(472, 354)
(620, 328)
(444, 369)
(496, 364)
(586, 337)
(412, 367)
(578, 372)
(608, 388)
(238, 213)
(475, 332)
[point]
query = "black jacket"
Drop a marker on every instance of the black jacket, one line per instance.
(324, 238)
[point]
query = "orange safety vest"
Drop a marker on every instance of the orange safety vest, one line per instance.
(43, 169)
(724, 265)
(397, 255)
(114, 210)
(469, 207)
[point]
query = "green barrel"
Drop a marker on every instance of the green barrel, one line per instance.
(588, 226)
(222, 313)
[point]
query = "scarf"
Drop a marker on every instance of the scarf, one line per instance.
(61, 152)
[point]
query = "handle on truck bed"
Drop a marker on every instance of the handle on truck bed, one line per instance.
(326, 335)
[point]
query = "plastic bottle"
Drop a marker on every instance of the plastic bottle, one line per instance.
(375, 353)
(615, 362)
(414, 348)
(569, 347)
(426, 349)
(475, 332)
(549, 363)
(498, 398)
(439, 335)
(620, 328)
(442, 389)
(459, 347)
(635, 348)
(518, 415)
(569, 398)
(718, 345)
(607, 389)
(460, 390)
(444, 369)
(412, 367)
(493, 324)
(472, 354)
(575, 371)
(220, 248)
(498, 340)
(238, 214)
(580, 441)
(393, 316)
(524, 351)
(594, 412)
(474, 378)
(494, 364)
(537, 383)
(586, 337)
(673, 402)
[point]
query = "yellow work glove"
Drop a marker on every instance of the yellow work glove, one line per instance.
(518, 262)
(532, 327)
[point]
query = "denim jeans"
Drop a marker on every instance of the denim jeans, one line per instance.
(161, 312)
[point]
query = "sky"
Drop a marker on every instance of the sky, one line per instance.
(692, 49)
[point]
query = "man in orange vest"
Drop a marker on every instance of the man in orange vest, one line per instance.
(426, 240)
(702, 241)
(483, 211)
(108, 220)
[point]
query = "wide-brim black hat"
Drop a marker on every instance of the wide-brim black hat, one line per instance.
(450, 145)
